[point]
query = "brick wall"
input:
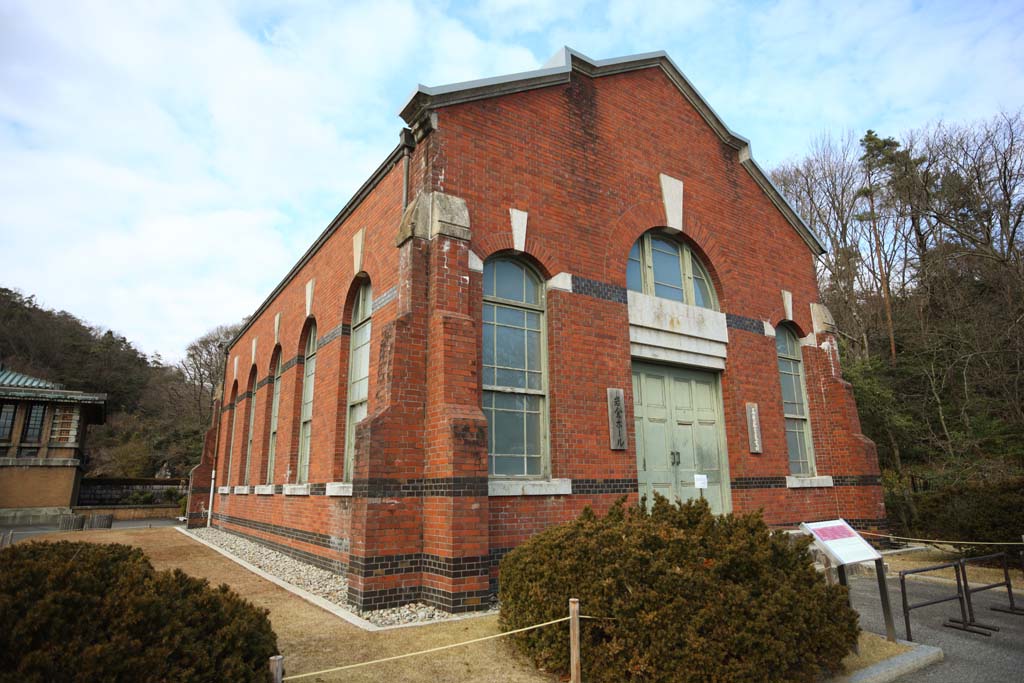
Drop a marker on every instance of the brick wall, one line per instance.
(583, 160)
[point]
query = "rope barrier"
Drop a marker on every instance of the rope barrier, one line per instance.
(433, 649)
(932, 540)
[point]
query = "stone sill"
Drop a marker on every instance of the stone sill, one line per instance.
(532, 487)
(339, 488)
(223, 489)
(296, 489)
(241, 490)
(808, 482)
(264, 490)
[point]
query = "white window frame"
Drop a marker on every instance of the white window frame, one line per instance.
(691, 268)
(795, 359)
(361, 322)
(541, 393)
(252, 426)
(275, 406)
(306, 411)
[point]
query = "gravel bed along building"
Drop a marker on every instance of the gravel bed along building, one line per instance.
(320, 582)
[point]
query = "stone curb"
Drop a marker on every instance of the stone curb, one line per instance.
(894, 667)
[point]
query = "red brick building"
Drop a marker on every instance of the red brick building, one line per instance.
(562, 287)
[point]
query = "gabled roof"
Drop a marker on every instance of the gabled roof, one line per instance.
(558, 71)
(10, 378)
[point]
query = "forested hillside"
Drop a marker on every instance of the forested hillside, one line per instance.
(925, 278)
(156, 413)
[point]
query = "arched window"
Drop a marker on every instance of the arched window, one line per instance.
(231, 434)
(306, 414)
(358, 370)
(661, 266)
(514, 383)
(252, 425)
(794, 402)
(275, 405)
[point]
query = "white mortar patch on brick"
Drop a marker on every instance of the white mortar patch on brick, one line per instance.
(277, 329)
(562, 281)
(309, 296)
(253, 352)
(236, 368)
(787, 304)
(357, 250)
(672, 196)
(518, 229)
(475, 264)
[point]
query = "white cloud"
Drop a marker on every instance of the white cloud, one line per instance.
(163, 164)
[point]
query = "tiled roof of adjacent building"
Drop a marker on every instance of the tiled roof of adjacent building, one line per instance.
(10, 378)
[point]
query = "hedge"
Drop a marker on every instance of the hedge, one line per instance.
(683, 595)
(89, 612)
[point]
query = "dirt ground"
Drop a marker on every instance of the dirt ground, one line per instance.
(312, 639)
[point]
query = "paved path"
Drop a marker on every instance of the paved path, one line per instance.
(969, 658)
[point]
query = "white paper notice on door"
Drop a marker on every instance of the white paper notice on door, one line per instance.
(700, 481)
(840, 542)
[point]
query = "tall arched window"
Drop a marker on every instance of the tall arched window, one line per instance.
(275, 405)
(514, 383)
(306, 414)
(358, 371)
(252, 425)
(661, 266)
(794, 402)
(231, 434)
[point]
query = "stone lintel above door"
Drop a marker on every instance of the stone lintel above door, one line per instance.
(671, 332)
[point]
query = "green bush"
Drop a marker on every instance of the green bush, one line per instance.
(139, 498)
(88, 612)
(978, 511)
(685, 596)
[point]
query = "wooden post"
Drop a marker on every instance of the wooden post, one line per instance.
(574, 640)
(277, 668)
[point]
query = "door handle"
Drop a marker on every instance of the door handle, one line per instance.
(676, 459)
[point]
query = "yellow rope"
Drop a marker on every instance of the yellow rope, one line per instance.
(932, 540)
(423, 652)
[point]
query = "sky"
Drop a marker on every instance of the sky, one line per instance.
(164, 164)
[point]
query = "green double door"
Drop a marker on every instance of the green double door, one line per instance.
(679, 433)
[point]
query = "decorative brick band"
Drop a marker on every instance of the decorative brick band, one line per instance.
(200, 489)
(331, 565)
(856, 523)
(746, 483)
(269, 379)
(333, 334)
(454, 602)
(442, 487)
(448, 567)
(603, 486)
(311, 537)
(385, 298)
(292, 362)
(739, 322)
(598, 289)
(856, 480)
(242, 397)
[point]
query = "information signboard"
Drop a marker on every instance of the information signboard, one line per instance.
(840, 542)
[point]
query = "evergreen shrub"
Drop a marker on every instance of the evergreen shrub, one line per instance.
(684, 595)
(90, 612)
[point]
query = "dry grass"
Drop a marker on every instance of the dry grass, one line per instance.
(931, 556)
(312, 639)
(872, 650)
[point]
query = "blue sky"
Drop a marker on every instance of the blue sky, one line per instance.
(163, 164)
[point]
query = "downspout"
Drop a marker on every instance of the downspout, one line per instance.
(408, 143)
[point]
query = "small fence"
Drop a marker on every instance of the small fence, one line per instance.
(967, 621)
(277, 661)
(101, 491)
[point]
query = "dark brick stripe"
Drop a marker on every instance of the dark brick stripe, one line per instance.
(331, 565)
(384, 299)
(448, 567)
(331, 335)
(498, 554)
(856, 523)
(742, 483)
(292, 362)
(857, 480)
(200, 489)
(739, 322)
(598, 289)
(269, 379)
(311, 537)
(600, 486)
(442, 487)
(465, 601)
